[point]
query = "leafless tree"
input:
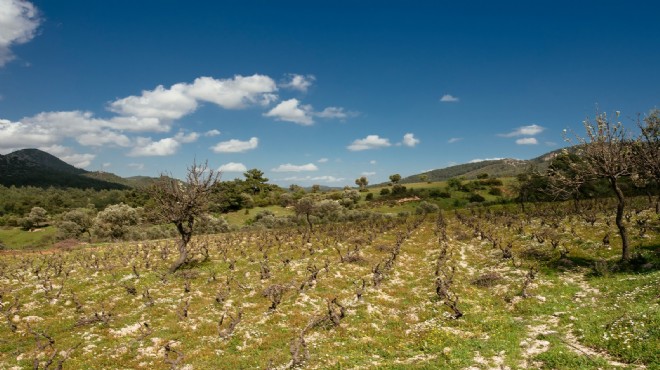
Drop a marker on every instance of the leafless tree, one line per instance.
(181, 202)
(647, 152)
(606, 152)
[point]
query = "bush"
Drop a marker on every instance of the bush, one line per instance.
(426, 207)
(476, 198)
(369, 197)
(495, 191)
(385, 191)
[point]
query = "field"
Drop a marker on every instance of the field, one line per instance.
(472, 289)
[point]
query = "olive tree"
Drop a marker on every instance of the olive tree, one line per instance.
(115, 221)
(181, 202)
(606, 152)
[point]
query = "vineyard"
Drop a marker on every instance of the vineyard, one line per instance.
(478, 288)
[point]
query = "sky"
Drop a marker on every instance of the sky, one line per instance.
(316, 92)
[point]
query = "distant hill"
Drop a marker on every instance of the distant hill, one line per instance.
(33, 167)
(494, 168)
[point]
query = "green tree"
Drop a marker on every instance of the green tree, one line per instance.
(362, 182)
(35, 218)
(395, 178)
(115, 221)
(255, 182)
(77, 222)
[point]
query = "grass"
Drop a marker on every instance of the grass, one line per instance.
(570, 318)
(17, 238)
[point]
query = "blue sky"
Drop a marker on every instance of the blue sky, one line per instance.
(316, 92)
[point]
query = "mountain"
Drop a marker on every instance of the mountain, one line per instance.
(494, 168)
(33, 167)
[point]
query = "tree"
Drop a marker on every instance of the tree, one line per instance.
(77, 222)
(424, 178)
(115, 220)
(395, 178)
(181, 203)
(255, 181)
(35, 218)
(362, 182)
(606, 152)
(316, 188)
(647, 152)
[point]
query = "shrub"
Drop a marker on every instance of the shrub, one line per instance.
(384, 191)
(369, 197)
(476, 198)
(495, 191)
(426, 207)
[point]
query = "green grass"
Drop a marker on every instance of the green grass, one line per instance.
(17, 238)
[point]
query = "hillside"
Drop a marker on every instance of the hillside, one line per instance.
(494, 168)
(33, 167)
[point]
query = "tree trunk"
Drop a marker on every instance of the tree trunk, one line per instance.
(183, 247)
(620, 206)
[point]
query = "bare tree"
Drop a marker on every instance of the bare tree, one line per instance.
(606, 153)
(181, 202)
(647, 152)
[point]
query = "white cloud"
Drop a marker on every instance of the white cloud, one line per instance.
(103, 137)
(368, 173)
(527, 141)
(189, 138)
(145, 147)
(481, 160)
(19, 20)
(323, 160)
(292, 111)
(232, 167)
(211, 133)
(235, 93)
(448, 98)
(410, 140)
(106, 165)
(295, 168)
(69, 156)
(454, 140)
(530, 130)
(299, 82)
(235, 146)
(160, 103)
(373, 162)
(333, 112)
(369, 142)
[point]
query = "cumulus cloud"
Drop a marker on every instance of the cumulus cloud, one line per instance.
(299, 82)
(370, 173)
(369, 142)
(373, 162)
(530, 130)
(19, 20)
(235, 93)
(448, 98)
(186, 138)
(527, 141)
(454, 140)
(323, 160)
(410, 140)
(295, 168)
(160, 103)
(235, 146)
(69, 156)
(333, 112)
(211, 133)
(145, 147)
(292, 111)
(232, 167)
